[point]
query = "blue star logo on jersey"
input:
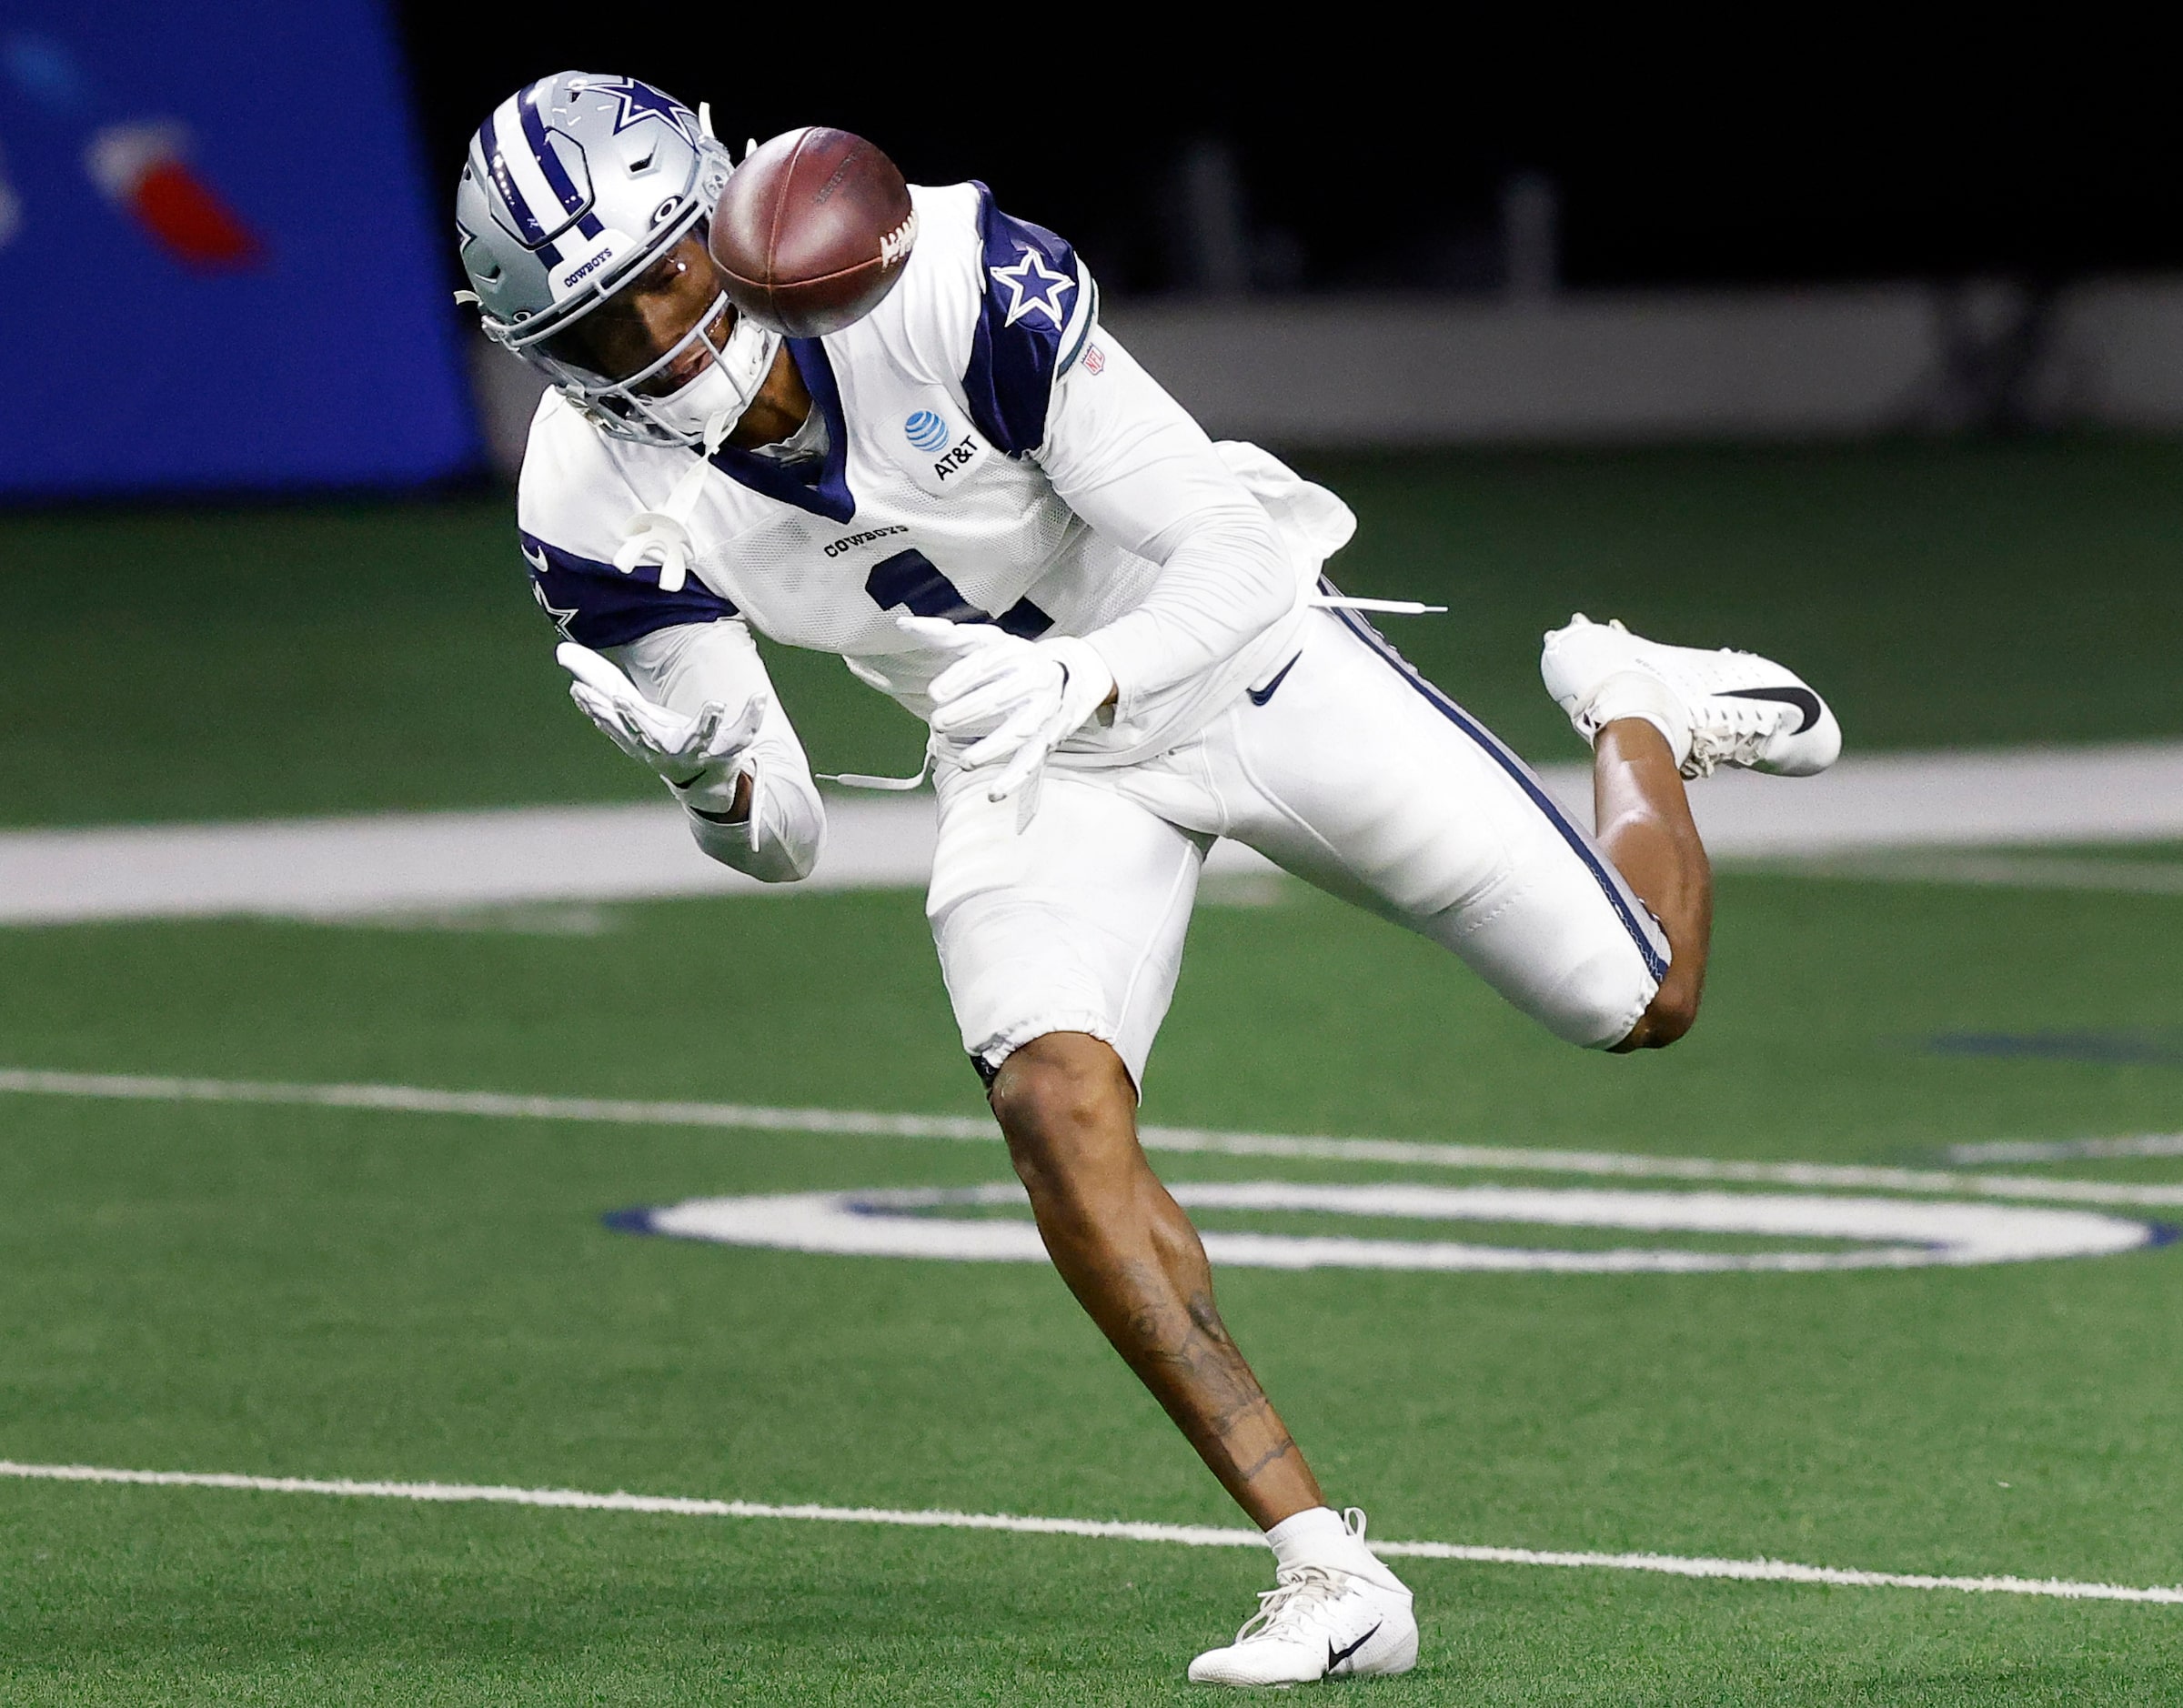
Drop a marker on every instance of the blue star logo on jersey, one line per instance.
(1033, 284)
(561, 619)
(640, 100)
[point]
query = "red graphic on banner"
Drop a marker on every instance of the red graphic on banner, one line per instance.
(144, 171)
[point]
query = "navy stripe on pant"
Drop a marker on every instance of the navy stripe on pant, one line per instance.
(1636, 918)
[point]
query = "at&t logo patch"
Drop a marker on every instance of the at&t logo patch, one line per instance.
(926, 430)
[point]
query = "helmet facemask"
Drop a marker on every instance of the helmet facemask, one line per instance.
(702, 410)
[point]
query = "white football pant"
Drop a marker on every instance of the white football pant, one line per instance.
(1345, 767)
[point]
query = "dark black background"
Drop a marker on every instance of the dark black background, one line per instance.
(1788, 149)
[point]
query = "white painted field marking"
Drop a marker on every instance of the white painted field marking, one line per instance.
(2150, 1144)
(1897, 1233)
(406, 867)
(1203, 1141)
(414, 863)
(498, 1105)
(1185, 1535)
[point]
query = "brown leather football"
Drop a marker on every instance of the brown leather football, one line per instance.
(812, 231)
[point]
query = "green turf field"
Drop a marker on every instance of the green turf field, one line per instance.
(313, 1292)
(332, 659)
(326, 1292)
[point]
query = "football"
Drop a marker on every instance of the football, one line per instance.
(812, 231)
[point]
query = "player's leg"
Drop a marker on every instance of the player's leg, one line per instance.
(1060, 948)
(1060, 945)
(1363, 777)
(1134, 1262)
(1655, 714)
(1643, 824)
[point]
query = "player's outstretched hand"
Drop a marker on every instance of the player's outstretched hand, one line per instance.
(1011, 700)
(689, 753)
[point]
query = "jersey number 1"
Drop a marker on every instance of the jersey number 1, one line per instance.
(914, 581)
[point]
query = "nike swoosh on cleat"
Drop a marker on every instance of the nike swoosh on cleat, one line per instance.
(1802, 698)
(1260, 695)
(1335, 1657)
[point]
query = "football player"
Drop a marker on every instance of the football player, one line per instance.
(1119, 633)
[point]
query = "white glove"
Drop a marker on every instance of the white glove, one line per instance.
(701, 758)
(1012, 700)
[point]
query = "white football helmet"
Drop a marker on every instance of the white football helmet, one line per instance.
(574, 186)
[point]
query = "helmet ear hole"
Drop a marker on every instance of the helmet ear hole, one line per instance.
(665, 211)
(479, 259)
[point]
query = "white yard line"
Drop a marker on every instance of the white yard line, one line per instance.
(407, 863)
(499, 1105)
(2024, 797)
(872, 1123)
(2151, 1144)
(414, 863)
(1186, 1535)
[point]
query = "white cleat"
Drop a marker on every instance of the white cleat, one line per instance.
(1319, 1621)
(1729, 708)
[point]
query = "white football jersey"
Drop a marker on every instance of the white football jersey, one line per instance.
(970, 423)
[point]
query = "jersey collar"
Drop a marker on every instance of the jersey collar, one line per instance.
(823, 490)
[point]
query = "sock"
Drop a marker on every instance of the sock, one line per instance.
(1641, 693)
(1319, 1536)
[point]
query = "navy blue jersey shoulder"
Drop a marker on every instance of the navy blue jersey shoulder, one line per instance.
(595, 605)
(1030, 327)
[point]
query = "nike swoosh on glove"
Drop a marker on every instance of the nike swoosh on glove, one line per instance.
(1012, 700)
(699, 758)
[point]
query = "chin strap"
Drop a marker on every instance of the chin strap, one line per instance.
(662, 536)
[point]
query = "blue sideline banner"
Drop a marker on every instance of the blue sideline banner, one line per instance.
(218, 261)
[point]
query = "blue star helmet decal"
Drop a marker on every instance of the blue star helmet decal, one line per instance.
(640, 100)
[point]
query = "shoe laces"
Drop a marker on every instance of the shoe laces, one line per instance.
(1732, 733)
(1300, 1592)
(1289, 1608)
